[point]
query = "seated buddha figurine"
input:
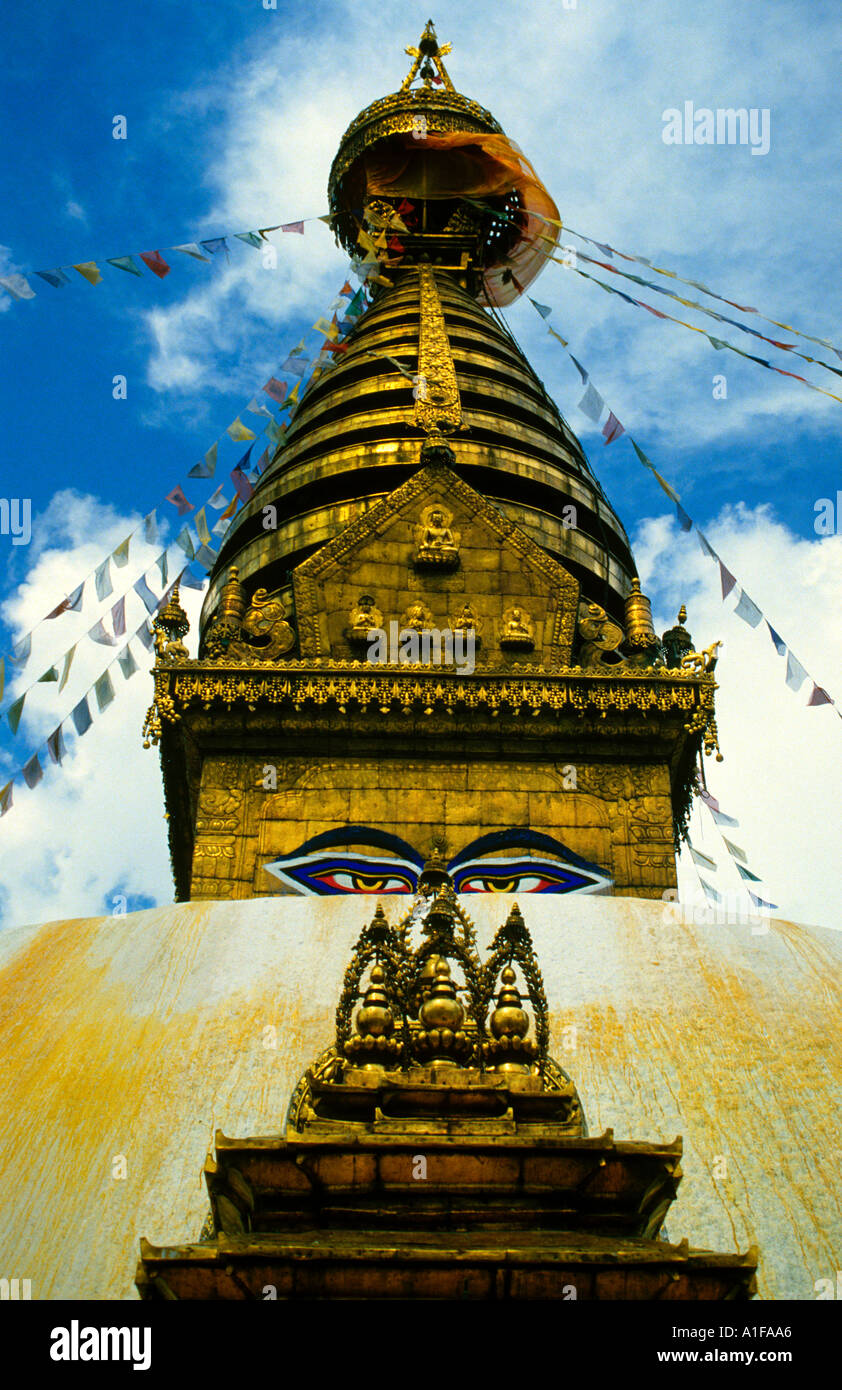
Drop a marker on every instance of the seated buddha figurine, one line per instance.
(517, 632)
(466, 620)
(362, 618)
(436, 546)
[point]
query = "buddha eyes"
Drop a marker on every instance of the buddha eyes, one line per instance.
(367, 874)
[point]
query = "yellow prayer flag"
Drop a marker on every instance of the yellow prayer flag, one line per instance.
(230, 510)
(238, 431)
(293, 395)
(329, 329)
(89, 271)
(202, 527)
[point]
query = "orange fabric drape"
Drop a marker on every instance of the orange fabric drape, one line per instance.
(469, 165)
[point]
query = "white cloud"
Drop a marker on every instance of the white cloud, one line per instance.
(781, 768)
(75, 211)
(94, 827)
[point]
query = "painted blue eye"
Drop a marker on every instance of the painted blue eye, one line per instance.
(525, 875)
(353, 873)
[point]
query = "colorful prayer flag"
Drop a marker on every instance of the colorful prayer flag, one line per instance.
(293, 227)
(612, 429)
(242, 484)
(48, 676)
(191, 581)
(250, 238)
(219, 500)
(57, 278)
(795, 673)
(759, 902)
(721, 818)
(102, 580)
(98, 634)
(68, 662)
(297, 366)
(144, 635)
(32, 772)
(819, 696)
(179, 500)
(275, 432)
(17, 286)
(206, 557)
(592, 404)
(543, 309)
(55, 745)
(21, 652)
(185, 541)
(748, 611)
(580, 369)
(215, 245)
(747, 874)
(727, 579)
(120, 556)
(6, 798)
(156, 263)
(126, 662)
(144, 592)
(104, 691)
(150, 529)
(190, 249)
(202, 528)
(125, 263)
(707, 548)
(118, 617)
(81, 716)
(734, 850)
(14, 712)
(702, 859)
(777, 641)
(276, 389)
(89, 270)
(710, 892)
(237, 430)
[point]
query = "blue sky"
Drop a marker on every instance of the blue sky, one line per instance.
(233, 114)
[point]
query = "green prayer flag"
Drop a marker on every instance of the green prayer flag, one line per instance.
(14, 712)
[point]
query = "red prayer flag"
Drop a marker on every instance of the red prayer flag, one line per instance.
(346, 289)
(728, 580)
(179, 501)
(156, 263)
(276, 389)
(819, 696)
(612, 429)
(293, 227)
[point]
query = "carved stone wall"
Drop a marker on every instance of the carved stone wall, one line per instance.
(253, 810)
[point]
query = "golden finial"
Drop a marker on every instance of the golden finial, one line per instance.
(234, 598)
(682, 614)
(170, 626)
(641, 639)
(428, 52)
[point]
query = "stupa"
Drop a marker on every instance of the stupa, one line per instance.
(425, 638)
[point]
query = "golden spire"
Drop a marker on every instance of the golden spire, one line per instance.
(427, 53)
